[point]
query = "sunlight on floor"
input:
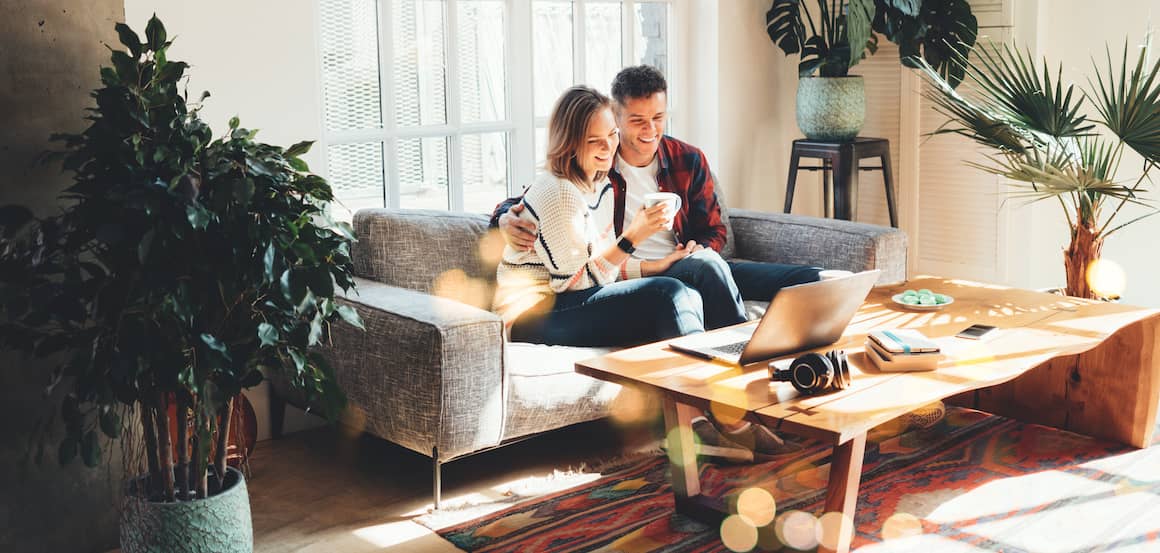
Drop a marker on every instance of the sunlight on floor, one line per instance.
(391, 533)
(1014, 494)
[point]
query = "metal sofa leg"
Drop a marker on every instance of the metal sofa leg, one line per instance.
(436, 466)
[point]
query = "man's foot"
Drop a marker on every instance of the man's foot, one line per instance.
(924, 417)
(765, 444)
(711, 443)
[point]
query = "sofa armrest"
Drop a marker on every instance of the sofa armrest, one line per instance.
(827, 243)
(428, 371)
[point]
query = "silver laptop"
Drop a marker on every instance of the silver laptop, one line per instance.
(799, 318)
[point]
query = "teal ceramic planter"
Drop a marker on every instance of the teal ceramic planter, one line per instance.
(832, 109)
(218, 524)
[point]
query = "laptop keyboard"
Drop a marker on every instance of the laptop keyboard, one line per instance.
(731, 349)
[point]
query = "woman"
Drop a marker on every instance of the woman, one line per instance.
(568, 289)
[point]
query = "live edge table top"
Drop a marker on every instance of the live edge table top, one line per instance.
(1116, 345)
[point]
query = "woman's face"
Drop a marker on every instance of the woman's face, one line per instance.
(600, 142)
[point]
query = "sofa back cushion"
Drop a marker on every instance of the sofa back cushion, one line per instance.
(435, 252)
(730, 249)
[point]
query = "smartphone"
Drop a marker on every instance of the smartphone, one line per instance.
(976, 332)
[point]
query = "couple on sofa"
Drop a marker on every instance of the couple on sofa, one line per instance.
(590, 263)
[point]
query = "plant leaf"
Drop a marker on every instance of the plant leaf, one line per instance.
(129, 39)
(268, 334)
(350, 315)
(155, 33)
(859, 15)
(110, 423)
(299, 148)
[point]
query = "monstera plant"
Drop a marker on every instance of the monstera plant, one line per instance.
(846, 30)
(834, 35)
(179, 270)
(1046, 141)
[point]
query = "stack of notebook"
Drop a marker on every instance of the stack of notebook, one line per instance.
(902, 350)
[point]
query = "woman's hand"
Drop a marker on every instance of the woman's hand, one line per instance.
(658, 266)
(647, 222)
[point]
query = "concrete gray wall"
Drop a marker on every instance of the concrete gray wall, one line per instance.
(50, 53)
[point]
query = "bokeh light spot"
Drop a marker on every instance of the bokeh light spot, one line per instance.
(1106, 278)
(797, 529)
(829, 529)
(671, 441)
(737, 534)
(756, 506)
(726, 414)
(633, 406)
(901, 525)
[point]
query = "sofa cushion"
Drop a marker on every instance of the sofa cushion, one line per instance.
(416, 248)
(544, 391)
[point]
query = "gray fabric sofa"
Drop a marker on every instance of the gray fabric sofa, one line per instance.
(433, 372)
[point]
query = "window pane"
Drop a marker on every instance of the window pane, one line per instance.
(485, 171)
(551, 52)
(541, 149)
(482, 79)
(602, 53)
(350, 64)
(356, 175)
(423, 173)
(417, 30)
(652, 40)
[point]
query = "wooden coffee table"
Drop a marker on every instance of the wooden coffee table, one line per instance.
(1081, 365)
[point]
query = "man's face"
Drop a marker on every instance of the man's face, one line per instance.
(642, 122)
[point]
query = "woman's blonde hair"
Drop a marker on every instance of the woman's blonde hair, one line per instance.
(568, 129)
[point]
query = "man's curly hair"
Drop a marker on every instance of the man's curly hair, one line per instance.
(640, 81)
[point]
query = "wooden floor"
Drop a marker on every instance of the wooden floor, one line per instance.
(330, 490)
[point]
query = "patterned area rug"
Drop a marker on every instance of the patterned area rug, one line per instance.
(973, 482)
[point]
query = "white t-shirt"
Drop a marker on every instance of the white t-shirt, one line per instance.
(638, 182)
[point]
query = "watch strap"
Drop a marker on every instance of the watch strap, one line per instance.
(625, 245)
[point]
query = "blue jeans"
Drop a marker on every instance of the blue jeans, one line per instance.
(761, 281)
(624, 313)
(706, 272)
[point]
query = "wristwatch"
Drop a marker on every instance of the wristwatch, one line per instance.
(625, 245)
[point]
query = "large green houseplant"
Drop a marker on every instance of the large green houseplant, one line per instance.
(179, 270)
(832, 105)
(1048, 148)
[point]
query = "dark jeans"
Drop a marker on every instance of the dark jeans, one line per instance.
(709, 274)
(625, 313)
(761, 281)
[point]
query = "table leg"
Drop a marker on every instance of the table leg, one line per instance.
(842, 490)
(682, 451)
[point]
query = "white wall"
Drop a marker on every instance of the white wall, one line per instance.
(259, 61)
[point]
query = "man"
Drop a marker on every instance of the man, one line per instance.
(649, 161)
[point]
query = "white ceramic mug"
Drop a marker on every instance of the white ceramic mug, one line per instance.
(832, 274)
(672, 204)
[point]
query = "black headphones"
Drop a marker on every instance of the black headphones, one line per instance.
(816, 373)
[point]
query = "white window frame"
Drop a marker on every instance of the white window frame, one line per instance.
(519, 124)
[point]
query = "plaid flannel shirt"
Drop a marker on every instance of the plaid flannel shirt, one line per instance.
(685, 172)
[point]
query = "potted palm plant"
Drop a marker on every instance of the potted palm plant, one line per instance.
(180, 270)
(831, 106)
(1047, 146)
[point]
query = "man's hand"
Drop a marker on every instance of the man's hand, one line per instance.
(658, 266)
(691, 248)
(519, 233)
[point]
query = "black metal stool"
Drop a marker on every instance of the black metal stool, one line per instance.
(842, 158)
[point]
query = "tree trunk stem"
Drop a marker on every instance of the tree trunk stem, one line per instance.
(182, 449)
(165, 445)
(1084, 249)
(223, 442)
